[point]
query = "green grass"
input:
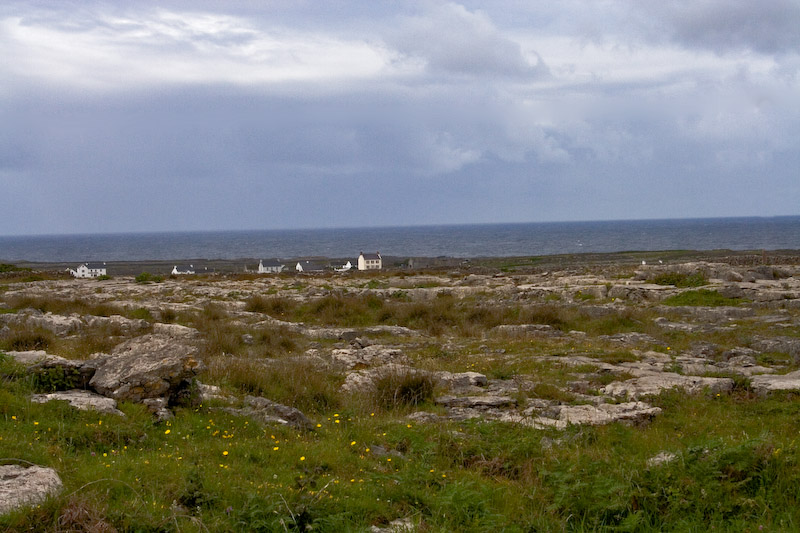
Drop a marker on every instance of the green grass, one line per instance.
(681, 279)
(701, 297)
(737, 467)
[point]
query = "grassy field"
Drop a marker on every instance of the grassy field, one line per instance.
(724, 462)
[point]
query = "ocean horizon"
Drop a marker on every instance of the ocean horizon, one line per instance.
(457, 240)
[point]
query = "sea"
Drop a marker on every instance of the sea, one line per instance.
(461, 241)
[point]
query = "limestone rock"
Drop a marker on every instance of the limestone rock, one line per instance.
(541, 330)
(768, 383)
(269, 411)
(654, 384)
(58, 324)
(21, 486)
(175, 330)
(631, 412)
(661, 458)
(70, 373)
(126, 326)
(787, 345)
(461, 380)
(150, 366)
(81, 399)
(476, 402)
(370, 356)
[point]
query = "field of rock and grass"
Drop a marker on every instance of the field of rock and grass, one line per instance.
(569, 393)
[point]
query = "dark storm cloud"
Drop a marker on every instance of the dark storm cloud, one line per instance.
(771, 27)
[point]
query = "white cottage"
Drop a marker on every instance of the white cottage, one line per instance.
(182, 270)
(370, 261)
(270, 266)
(89, 270)
(345, 267)
(308, 266)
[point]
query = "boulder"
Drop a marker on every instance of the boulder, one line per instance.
(81, 399)
(23, 486)
(126, 326)
(150, 366)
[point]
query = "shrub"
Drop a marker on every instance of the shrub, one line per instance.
(146, 277)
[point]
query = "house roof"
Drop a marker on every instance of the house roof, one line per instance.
(310, 265)
(271, 263)
(95, 266)
(371, 256)
(185, 268)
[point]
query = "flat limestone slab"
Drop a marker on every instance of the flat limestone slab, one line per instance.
(654, 384)
(766, 384)
(81, 399)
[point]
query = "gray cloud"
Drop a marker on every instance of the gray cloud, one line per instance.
(730, 25)
(452, 39)
(200, 116)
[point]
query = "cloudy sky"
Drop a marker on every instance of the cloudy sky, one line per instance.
(266, 114)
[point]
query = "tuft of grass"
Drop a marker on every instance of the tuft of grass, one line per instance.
(299, 384)
(400, 389)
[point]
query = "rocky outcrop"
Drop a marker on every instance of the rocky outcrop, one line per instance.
(57, 324)
(654, 384)
(62, 325)
(81, 399)
(766, 384)
(150, 366)
(635, 413)
(24, 486)
(351, 358)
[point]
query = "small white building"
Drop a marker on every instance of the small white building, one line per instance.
(270, 266)
(370, 261)
(182, 270)
(89, 270)
(309, 266)
(345, 267)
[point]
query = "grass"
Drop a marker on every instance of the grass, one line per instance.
(736, 463)
(680, 279)
(701, 297)
(737, 467)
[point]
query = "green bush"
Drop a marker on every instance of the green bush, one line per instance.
(146, 277)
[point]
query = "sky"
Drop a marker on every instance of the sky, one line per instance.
(270, 114)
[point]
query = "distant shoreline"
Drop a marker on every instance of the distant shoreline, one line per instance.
(237, 266)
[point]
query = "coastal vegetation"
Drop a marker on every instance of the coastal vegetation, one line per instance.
(394, 440)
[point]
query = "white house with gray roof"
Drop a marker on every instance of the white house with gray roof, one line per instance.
(370, 261)
(270, 266)
(89, 270)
